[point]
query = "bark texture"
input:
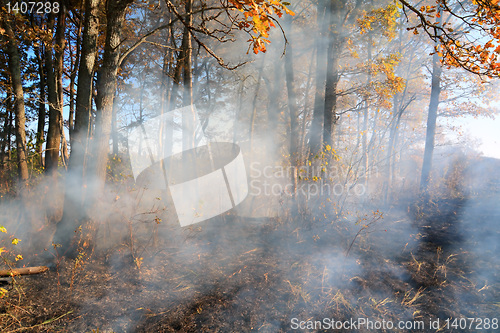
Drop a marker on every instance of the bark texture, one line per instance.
(14, 65)
(54, 69)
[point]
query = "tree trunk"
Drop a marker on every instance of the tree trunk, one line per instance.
(54, 132)
(315, 132)
(292, 106)
(177, 75)
(187, 50)
(9, 105)
(58, 69)
(332, 71)
(74, 71)
(188, 120)
(366, 112)
(167, 62)
(115, 14)
(74, 209)
(390, 148)
(5, 139)
(273, 110)
(114, 127)
(40, 133)
(306, 111)
(253, 115)
(81, 129)
(14, 65)
(431, 122)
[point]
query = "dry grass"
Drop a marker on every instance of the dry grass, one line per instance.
(235, 274)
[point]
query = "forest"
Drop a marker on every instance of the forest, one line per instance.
(248, 165)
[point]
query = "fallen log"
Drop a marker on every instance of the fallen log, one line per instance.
(23, 271)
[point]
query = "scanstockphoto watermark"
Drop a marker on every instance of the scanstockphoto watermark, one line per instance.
(313, 181)
(309, 190)
(363, 323)
(205, 179)
(430, 324)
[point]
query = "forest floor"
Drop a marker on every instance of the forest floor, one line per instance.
(232, 274)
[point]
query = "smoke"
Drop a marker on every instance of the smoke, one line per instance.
(346, 246)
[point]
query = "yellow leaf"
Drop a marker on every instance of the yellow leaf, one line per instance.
(2, 228)
(15, 241)
(19, 257)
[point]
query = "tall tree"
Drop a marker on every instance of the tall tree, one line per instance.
(74, 209)
(95, 170)
(40, 133)
(431, 121)
(336, 41)
(187, 51)
(14, 64)
(293, 111)
(75, 64)
(315, 132)
(106, 86)
(54, 54)
(337, 16)
(81, 128)
(92, 165)
(60, 42)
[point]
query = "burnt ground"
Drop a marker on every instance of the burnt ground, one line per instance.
(234, 274)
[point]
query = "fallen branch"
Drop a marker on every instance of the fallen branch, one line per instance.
(23, 271)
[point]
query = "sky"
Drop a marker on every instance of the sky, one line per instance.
(481, 131)
(488, 131)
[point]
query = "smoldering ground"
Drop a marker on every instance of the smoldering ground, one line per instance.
(241, 272)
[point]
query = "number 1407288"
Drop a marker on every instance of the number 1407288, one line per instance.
(472, 323)
(35, 7)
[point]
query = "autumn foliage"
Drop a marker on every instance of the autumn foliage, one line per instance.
(467, 35)
(259, 20)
